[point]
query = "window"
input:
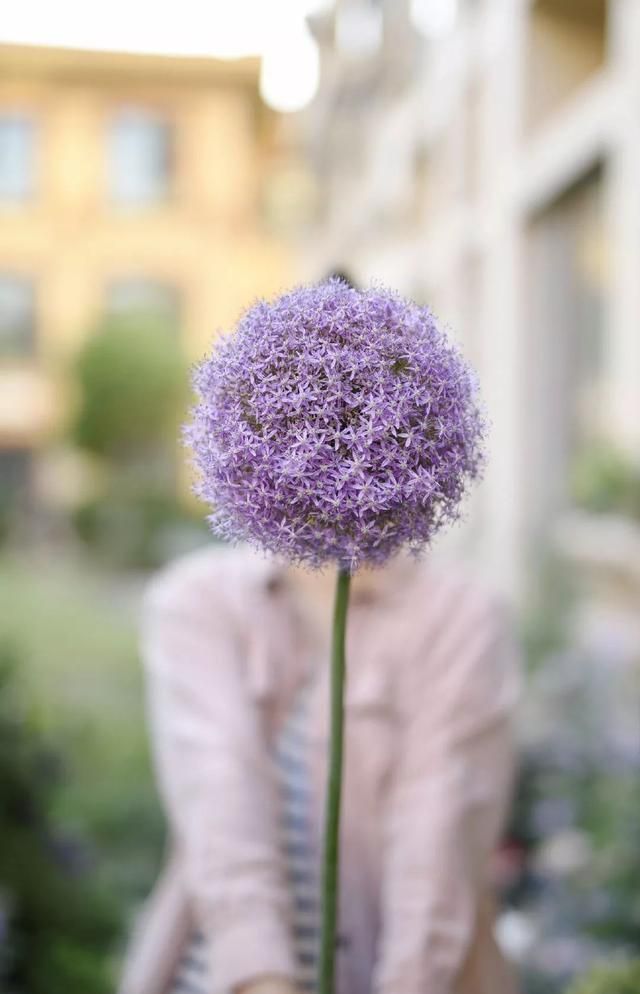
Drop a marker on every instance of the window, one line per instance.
(566, 373)
(17, 147)
(139, 158)
(17, 315)
(134, 295)
(566, 46)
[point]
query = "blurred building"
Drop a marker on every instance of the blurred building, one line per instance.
(126, 183)
(483, 156)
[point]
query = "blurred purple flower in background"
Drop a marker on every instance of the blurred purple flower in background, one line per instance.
(335, 426)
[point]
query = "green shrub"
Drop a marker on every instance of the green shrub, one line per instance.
(136, 526)
(82, 682)
(133, 383)
(133, 391)
(58, 923)
(605, 481)
(620, 978)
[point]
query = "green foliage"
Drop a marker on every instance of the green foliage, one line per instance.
(605, 481)
(59, 923)
(620, 978)
(610, 812)
(80, 676)
(132, 380)
(133, 388)
(137, 526)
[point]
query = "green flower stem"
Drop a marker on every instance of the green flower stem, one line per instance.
(331, 861)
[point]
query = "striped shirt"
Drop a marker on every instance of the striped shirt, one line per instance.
(291, 756)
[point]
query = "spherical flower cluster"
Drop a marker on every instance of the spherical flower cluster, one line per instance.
(335, 426)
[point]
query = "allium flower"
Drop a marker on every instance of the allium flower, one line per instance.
(335, 426)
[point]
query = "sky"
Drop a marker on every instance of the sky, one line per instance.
(191, 27)
(275, 30)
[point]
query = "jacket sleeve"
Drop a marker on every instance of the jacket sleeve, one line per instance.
(217, 782)
(451, 789)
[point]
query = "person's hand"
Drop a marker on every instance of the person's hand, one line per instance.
(268, 985)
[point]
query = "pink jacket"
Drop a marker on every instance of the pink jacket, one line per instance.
(432, 683)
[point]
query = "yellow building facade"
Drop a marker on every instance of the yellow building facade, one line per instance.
(125, 182)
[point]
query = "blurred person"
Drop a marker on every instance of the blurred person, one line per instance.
(236, 649)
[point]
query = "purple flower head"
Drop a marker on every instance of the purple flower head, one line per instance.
(335, 426)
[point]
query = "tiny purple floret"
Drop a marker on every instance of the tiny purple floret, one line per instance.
(335, 426)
